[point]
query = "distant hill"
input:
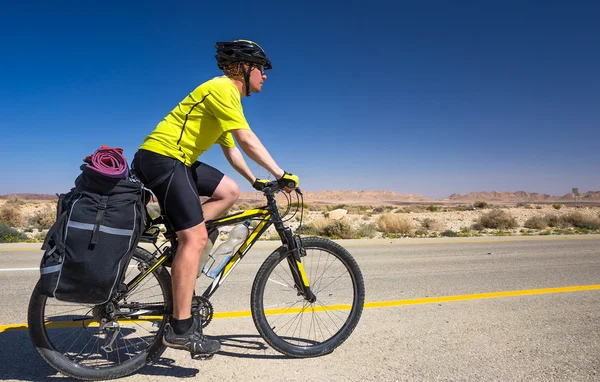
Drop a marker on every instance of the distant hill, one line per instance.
(521, 196)
(370, 196)
(30, 196)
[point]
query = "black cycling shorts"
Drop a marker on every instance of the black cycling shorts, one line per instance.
(179, 191)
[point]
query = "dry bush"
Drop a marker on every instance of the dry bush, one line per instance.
(44, 217)
(414, 209)
(320, 223)
(11, 215)
(432, 224)
(497, 219)
(10, 235)
(557, 206)
(389, 223)
(339, 229)
(242, 206)
(536, 222)
(13, 199)
(318, 207)
(578, 220)
(367, 230)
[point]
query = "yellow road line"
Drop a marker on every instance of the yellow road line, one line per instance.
(368, 305)
(433, 241)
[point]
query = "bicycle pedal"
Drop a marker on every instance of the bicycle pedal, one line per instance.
(201, 357)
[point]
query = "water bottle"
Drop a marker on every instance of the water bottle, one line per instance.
(226, 250)
(212, 237)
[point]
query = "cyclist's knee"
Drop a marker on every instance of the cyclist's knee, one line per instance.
(193, 238)
(227, 190)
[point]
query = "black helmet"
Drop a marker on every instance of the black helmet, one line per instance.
(241, 51)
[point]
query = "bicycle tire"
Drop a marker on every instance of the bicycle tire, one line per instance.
(306, 347)
(47, 349)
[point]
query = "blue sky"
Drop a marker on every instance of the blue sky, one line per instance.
(430, 97)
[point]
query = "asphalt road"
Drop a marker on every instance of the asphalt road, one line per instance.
(529, 333)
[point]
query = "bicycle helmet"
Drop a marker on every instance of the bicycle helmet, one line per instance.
(243, 51)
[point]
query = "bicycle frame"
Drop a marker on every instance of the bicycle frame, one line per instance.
(267, 215)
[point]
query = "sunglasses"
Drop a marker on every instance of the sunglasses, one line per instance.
(260, 67)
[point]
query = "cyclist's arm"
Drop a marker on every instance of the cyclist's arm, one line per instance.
(254, 148)
(236, 160)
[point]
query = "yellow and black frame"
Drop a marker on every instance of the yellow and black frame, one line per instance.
(266, 216)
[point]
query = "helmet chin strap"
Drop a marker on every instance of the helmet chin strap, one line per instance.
(247, 78)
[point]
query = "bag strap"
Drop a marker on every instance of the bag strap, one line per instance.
(99, 218)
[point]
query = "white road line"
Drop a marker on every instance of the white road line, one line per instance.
(19, 269)
(32, 269)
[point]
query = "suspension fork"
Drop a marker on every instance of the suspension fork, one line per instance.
(296, 267)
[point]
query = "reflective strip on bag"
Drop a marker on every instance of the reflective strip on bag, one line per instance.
(52, 269)
(103, 228)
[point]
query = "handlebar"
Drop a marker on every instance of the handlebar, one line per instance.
(273, 187)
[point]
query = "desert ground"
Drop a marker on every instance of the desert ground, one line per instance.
(376, 214)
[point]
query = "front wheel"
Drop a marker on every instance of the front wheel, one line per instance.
(295, 326)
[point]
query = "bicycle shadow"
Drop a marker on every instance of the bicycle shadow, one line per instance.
(20, 361)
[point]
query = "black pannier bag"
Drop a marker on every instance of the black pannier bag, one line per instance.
(98, 227)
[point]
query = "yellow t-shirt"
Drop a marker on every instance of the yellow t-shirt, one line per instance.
(205, 117)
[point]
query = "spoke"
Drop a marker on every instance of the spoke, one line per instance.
(332, 281)
(325, 270)
(327, 313)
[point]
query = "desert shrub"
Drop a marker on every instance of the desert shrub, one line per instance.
(242, 206)
(432, 224)
(536, 222)
(10, 235)
(389, 223)
(413, 209)
(307, 229)
(318, 207)
(478, 226)
(40, 236)
(552, 220)
(13, 199)
(433, 208)
(339, 229)
(320, 223)
(449, 233)
(378, 210)
(367, 230)
(481, 205)
(336, 207)
(11, 215)
(577, 220)
(522, 204)
(498, 219)
(557, 206)
(421, 232)
(44, 218)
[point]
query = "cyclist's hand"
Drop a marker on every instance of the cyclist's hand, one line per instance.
(289, 181)
(259, 184)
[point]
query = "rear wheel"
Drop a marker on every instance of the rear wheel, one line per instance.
(297, 327)
(68, 336)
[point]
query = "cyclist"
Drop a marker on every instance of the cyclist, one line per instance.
(166, 162)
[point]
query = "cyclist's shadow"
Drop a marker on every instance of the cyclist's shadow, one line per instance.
(20, 361)
(236, 345)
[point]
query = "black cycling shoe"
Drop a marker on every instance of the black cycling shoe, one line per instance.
(193, 340)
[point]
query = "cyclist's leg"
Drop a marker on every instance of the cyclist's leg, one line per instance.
(222, 190)
(180, 201)
(178, 197)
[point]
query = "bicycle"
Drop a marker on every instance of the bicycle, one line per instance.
(313, 280)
